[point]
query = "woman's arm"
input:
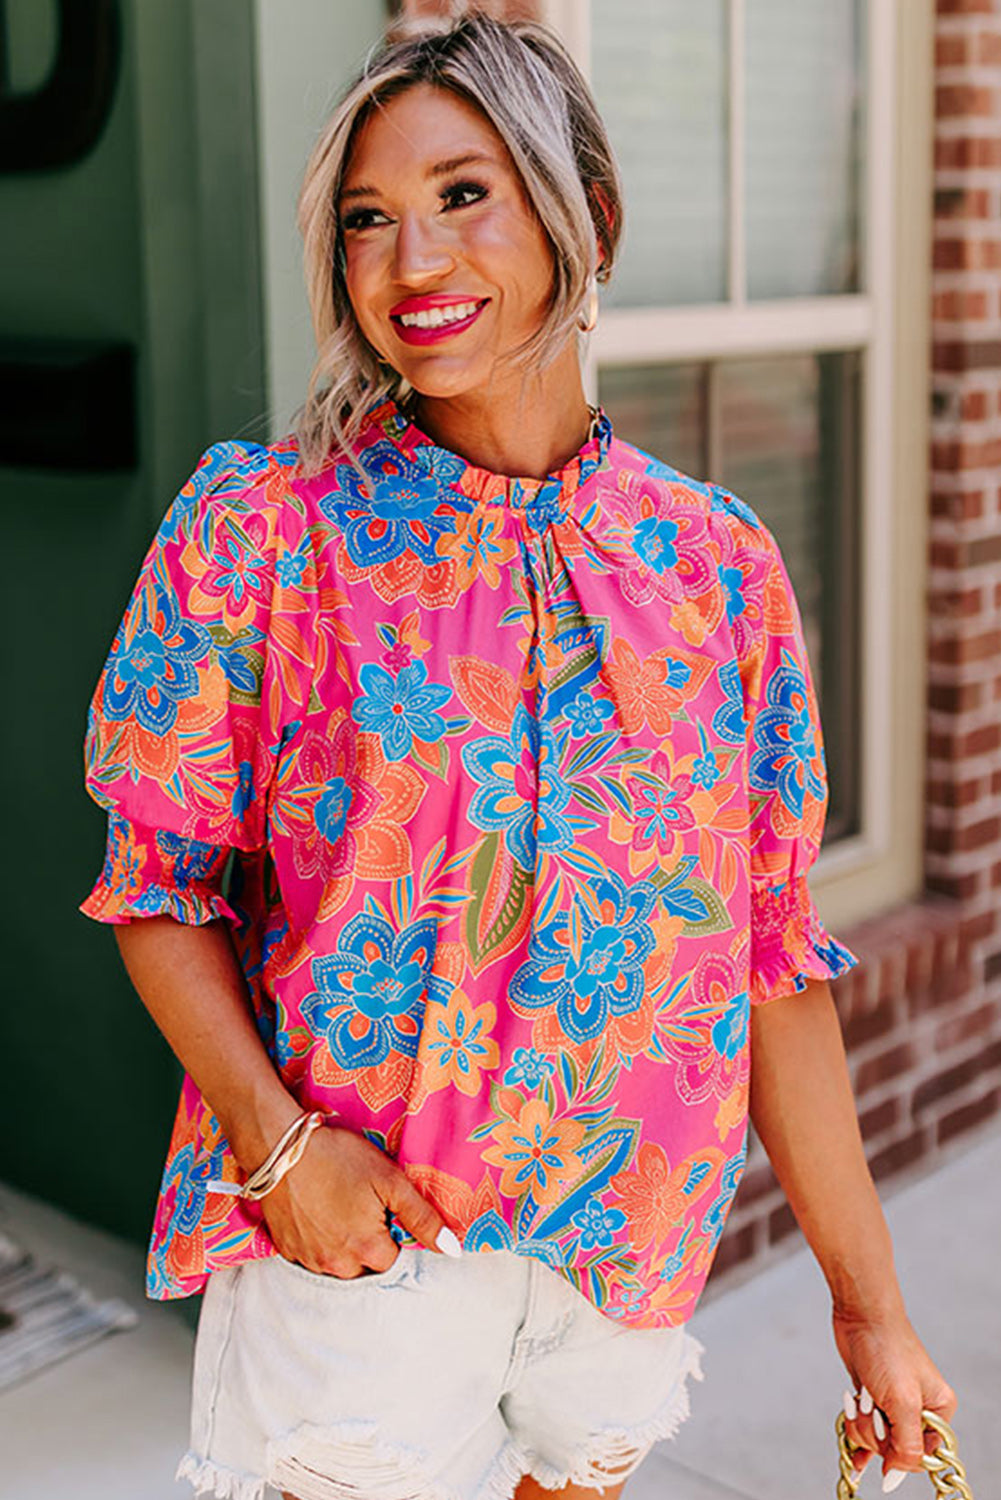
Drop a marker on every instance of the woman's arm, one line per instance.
(804, 1113)
(329, 1212)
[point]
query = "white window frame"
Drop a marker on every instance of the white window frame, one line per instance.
(862, 322)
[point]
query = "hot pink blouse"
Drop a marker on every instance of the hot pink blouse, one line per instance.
(508, 790)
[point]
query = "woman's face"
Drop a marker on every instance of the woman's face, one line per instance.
(448, 268)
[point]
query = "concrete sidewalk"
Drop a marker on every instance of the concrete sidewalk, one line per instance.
(109, 1423)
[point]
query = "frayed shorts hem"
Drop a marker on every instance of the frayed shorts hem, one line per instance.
(609, 1457)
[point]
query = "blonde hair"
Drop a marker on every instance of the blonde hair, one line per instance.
(529, 88)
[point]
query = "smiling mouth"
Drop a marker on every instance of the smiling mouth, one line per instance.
(428, 325)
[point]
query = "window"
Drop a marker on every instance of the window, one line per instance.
(747, 335)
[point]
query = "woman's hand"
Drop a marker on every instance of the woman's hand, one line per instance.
(329, 1213)
(885, 1358)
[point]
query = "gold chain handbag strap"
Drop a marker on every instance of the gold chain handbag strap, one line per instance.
(944, 1466)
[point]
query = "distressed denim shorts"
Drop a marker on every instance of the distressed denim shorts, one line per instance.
(439, 1379)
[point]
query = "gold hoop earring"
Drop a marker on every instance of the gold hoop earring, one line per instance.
(588, 319)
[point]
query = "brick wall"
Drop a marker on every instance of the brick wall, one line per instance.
(922, 1013)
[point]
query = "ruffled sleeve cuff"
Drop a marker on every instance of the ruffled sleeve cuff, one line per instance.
(151, 873)
(789, 943)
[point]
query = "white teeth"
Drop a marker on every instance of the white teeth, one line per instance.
(434, 317)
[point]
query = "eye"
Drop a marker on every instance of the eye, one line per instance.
(361, 218)
(462, 194)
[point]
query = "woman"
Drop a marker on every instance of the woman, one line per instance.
(459, 832)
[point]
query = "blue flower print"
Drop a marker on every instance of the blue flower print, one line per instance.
(191, 859)
(242, 461)
(243, 792)
(587, 715)
(729, 1033)
(381, 1009)
(394, 513)
(654, 539)
(723, 501)
(520, 791)
(732, 580)
(786, 754)
(715, 1215)
(705, 770)
(607, 978)
(154, 668)
(291, 566)
(678, 672)
(530, 1067)
(398, 708)
(597, 1224)
(331, 811)
(728, 720)
(675, 1261)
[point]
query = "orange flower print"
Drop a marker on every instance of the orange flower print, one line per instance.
(536, 1152)
(655, 1198)
(642, 690)
(456, 1043)
(478, 547)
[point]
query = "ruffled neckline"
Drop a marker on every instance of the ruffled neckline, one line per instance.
(519, 492)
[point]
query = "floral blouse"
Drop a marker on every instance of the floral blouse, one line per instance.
(508, 790)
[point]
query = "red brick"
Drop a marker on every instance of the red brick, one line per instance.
(968, 151)
(958, 1029)
(879, 1118)
(965, 7)
(962, 650)
(898, 1155)
(952, 840)
(955, 793)
(958, 887)
(958, 1121)
(951, 51)
(955, 698)
(956, 306)
(956, 1076)
(992, 967)
(996, 876)
(869, 1024)
(918, 969)
(958, 505)
(962, 203)
(884, 1066)
(781, 1224)
(955, 604)
(978, 928)
(952, 99)
(974, 406)
(989, 48)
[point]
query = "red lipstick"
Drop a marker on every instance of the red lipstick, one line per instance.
(431, 319)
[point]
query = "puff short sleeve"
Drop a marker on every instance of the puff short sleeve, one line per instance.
(787, 784)
(210, 665)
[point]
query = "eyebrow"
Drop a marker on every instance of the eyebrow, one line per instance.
(440, 169)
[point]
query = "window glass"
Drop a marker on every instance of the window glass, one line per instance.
(660, 408)
(659, 72)
(804, 99)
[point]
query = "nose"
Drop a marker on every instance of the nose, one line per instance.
(421, 252)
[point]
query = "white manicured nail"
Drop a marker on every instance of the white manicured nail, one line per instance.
(854, 1475)
(893, 1479)
(865, 1402)
(878, 1425)
(850, 1406)
(447, 1242)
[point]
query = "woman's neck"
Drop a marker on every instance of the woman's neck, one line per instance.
(526, 430)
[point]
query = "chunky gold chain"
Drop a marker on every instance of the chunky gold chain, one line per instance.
(944, 1466)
